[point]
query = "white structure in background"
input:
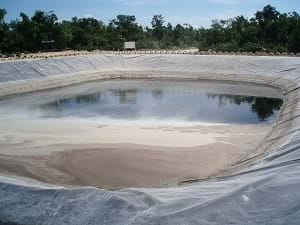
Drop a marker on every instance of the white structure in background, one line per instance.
(129, 45)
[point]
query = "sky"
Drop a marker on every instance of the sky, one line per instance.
(195, 12)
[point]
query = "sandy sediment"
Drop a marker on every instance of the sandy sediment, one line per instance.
(76, 152)
(119, 167)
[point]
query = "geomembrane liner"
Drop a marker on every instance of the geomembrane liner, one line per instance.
(261, 190)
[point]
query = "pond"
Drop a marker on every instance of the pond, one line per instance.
(201, 101)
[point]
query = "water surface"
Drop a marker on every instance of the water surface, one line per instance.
(209, 102)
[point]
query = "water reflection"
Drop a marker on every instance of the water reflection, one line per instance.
(139, 103)
(126, 96)
(263, 107)
(91, 98)
(157, 94)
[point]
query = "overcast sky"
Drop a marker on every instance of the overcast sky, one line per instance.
(195, 12)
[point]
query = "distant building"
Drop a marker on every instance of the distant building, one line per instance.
(129, 45)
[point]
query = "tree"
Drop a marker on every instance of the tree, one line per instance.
(3, 28)
(269, 13)
(269, 30)
(158, 26)
(86, 33)
(127, 27)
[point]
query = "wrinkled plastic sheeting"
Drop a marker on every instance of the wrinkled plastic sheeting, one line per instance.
(264, 193)
(286, 67)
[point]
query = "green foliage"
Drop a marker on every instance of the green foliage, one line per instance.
(158, 29)
(269, 30)
(3, 29)
(126, 27)
(227, 47)
(251, 47)
(84, 33)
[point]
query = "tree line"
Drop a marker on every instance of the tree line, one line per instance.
(269, 30)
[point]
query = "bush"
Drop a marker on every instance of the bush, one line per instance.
(227, 47)
(251, 47)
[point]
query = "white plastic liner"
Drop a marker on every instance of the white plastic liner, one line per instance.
(262, 190)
